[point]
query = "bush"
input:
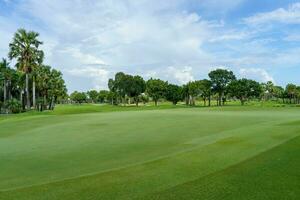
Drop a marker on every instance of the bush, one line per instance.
(14, 106)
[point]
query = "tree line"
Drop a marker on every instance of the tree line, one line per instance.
(221, 86)
(31, 84)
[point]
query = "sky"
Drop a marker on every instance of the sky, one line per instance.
(175, 40)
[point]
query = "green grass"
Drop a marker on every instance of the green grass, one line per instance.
(96, 152)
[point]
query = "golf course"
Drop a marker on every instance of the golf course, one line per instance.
(91, 152)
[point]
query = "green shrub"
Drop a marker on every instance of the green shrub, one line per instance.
(14, 106)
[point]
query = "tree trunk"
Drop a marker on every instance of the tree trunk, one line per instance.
(45, 102)
(222, 103)
(187, 100)
(209, 101)
(137, 102)
(242, 101)
(4, 92)
(9, 90)
(33, 92)
(27, 92)
(155, 101)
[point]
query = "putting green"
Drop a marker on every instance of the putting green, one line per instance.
(155, 154)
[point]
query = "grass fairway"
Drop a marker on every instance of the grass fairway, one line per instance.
(185, 153)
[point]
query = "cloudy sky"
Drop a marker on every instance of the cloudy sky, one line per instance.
(176, 40)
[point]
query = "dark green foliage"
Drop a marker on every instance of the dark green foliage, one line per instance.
(78, 97)
(174, 93)
(125, 85)
(103, 96)
(93, 95)
(220, 78)
(14, 106)
(244, 89)
(156, 89)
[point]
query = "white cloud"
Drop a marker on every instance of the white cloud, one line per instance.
(291, 15)
(90, 40)
(258, 74)
(98, 76)
(181, 75)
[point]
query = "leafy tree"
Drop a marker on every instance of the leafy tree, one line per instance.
(78, 97)
(268, 90)
(112, 97)
(43, 76)
(220, 78)
(278, 92)
(174, 93)
(156, 89)
(135, 87)
(206, 90)
(25, 49)
(103, 96)
(57, 88)
(51, 86)
(243, 89)
(93, 95)
(194, 90)
(291, 91)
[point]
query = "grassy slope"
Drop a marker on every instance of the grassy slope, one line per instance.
(124, 155)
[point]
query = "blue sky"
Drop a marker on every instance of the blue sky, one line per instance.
(176, 40)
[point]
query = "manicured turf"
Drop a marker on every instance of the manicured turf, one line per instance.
(184, 153)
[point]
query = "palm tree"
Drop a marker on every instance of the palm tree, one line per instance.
(25, 49)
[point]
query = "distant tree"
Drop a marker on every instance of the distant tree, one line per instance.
(93, 95)
(103, 96)
(5, 75)
(120, 85)
(156, 89)
(298, 94)
(194, 90)
(43, 76)
(206, 90)
(220, 78)
(243, 89)
(57, 88)
(135, 86)
(268, 90)
(291, 91)
(174, 93)
(78, 97)
(112, 97)
(278, 92)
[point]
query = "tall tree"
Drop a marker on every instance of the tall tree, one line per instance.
(25, 49)
(156, 89)
(220, 78)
